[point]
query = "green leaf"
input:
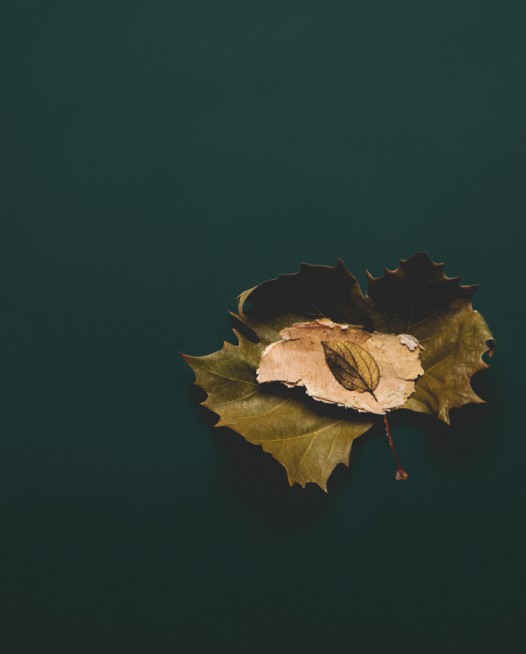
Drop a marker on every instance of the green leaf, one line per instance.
(308, 438)
(419, 299)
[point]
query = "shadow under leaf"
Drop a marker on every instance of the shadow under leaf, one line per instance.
(253, 476)
(467, 434)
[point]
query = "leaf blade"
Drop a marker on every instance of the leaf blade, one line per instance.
(438, 311)
(307, 438)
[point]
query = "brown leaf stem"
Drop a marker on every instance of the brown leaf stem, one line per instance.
(400, 473)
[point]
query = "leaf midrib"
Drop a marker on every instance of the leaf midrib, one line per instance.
(292, 438)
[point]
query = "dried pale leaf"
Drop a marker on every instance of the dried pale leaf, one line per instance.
(299, 360)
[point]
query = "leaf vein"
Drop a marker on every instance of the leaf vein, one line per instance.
(260, 415)
(293, 438)
(217, 374)
(447, 386)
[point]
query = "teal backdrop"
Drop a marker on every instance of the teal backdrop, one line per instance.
(157, 159)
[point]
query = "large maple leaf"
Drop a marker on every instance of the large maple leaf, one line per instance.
(311, 439)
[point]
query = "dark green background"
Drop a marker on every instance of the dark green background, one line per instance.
(159, 158)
